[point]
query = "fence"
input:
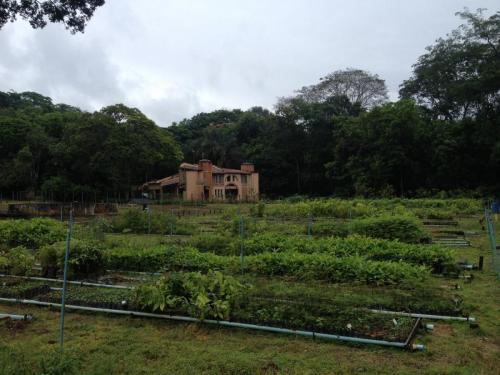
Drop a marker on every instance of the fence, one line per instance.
(492, 241)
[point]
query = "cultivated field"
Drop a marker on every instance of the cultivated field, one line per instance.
(324, 267)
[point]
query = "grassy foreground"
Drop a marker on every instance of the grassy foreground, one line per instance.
(101, 344)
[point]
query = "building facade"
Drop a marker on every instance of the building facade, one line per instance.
(206, 182)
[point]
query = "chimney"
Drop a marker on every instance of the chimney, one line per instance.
(247, 167)
(205, 165)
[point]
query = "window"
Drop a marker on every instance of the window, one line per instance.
(228, 178)
(244, 178)
(235, 178)
(218, 179)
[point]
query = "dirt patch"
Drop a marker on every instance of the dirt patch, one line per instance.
(270, 368)
(15, 326)
(443, 330)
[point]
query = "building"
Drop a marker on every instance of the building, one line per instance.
(206, 182)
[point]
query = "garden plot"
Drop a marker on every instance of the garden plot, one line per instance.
(341, 280)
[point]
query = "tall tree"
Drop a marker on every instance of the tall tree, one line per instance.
(459, 76)
(358, 86)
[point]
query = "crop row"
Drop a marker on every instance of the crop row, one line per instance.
(438, 258)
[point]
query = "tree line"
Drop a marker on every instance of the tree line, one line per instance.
(340, 136)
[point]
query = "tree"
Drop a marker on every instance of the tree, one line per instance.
(74, 14)
(459, 76)
(358, 86)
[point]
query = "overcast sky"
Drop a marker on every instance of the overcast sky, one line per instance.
(175, 58)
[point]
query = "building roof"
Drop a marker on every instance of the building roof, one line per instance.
(170, 180)
(215, 169)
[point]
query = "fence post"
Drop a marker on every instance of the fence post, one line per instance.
(492, 240)
(241, 232)
(309, 224)
(65, 277)
(149, 220)
(172, 222)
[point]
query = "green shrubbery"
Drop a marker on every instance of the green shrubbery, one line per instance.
(314, 266)
(17, 261)
(216, 243)
(438, 258)
(212, 295)
(86, 259)
(403, 228)
(390, 227)
(32, 233)
(138, 221)
(353, 208)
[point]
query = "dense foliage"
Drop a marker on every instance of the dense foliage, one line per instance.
(137, 221)
(212, 295)
(62, 153)
(85, 259)
(31, 233)
(312, 266)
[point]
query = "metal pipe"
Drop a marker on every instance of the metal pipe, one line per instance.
(65, 281)
(425, 316)
(325, 336)
(81, 283)
(16, 317)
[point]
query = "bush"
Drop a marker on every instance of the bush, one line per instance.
(213, 295)
(17, 261)
(20, 261)
(32, 233)
(403, 228)
(336, 228)
(138, 221)
(85, 259)
(216, 243)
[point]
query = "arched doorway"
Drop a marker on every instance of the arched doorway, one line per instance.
(231, 192)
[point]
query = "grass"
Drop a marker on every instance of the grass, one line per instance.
(105, 344)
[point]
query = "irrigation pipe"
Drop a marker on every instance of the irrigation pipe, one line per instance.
(387, 312)
(81, 283)
(16, 317)
(224, 323)
(425, 316)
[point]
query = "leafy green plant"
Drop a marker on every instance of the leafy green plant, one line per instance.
(32, 233)
(212, 295)
(138, 221)
(217, 243)
(20, 261)
(403, 228)
(85, 258)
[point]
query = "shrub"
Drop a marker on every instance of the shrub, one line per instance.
(403, 228)
(32, 233)
(336, 228)
(17, 261)
(215, 243)
(212, 295)
(138, 221)
(85, 258)
(20, 261)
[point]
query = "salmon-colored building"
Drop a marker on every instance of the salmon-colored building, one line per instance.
(206, 182)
